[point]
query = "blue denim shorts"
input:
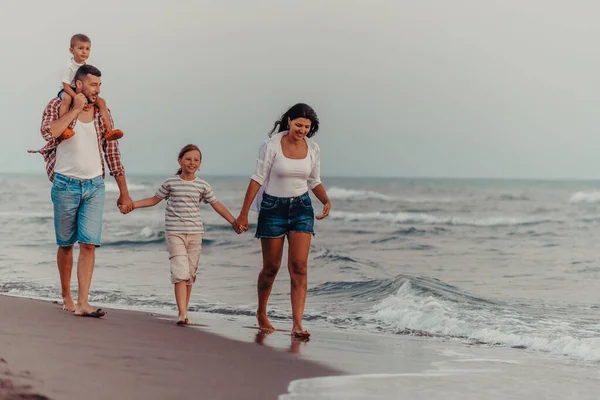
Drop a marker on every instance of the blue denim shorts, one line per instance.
(280, 215)
(78, 210)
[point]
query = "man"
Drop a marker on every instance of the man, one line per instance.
(76, 168)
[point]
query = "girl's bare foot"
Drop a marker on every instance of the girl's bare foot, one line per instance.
(263, 323)
(183, 320)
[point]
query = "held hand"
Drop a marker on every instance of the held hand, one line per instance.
(80, 102)
(236, 227)
(125, 203)
(326, 209)
(242, 222)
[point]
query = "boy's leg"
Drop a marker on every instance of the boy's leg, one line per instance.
(65, 104)
(64, 108)
(111, 133)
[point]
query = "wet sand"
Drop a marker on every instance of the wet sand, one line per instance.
(47, 352)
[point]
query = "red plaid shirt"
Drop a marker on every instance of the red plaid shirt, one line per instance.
(109, 148)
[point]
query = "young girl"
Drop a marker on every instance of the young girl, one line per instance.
(183, 223)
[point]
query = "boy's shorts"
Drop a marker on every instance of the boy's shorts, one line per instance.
(62, 91)
(184, 254)
(78, 209)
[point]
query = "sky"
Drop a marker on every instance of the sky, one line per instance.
(461, 88)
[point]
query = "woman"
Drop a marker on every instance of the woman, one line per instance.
(288, 166)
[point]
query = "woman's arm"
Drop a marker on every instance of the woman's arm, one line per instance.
(321, 194)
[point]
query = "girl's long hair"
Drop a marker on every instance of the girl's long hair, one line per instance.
(299, 110)
(185, 149)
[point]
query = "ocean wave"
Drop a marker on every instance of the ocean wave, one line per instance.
(339, 193)
(509, 197)
(111, 187)
(413, 311)
(428, 219)
(144, 237)
(585, 198)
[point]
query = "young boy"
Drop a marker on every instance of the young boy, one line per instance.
(80, 49)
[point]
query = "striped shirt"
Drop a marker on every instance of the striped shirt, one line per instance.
(182, 214)
(109, 148)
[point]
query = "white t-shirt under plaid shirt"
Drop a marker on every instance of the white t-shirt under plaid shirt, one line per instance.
(182, 214)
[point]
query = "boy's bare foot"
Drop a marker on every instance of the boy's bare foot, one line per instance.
(114, 134)
(68, 304)
(299, 333)
(67, 134)
(264, 324)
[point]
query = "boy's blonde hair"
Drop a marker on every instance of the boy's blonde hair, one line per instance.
(79, 37)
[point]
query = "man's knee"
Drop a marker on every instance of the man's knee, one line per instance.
(87, 248)
(65, 250)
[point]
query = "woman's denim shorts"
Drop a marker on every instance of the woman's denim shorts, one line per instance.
(280, 215)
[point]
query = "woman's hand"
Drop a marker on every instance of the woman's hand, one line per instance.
(326, 209)
(242, 223)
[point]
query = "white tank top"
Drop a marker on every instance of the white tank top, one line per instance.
(288, 177)
(79, 156)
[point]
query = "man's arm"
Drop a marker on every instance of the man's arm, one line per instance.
(52, 125)
(113, 159)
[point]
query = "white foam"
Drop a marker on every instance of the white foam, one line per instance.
(424, 218)
(409, 310)
(339, 193)
(585, 198)
(111, 187)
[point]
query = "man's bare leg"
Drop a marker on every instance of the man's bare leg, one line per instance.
(64, 260)
(272, 251)
(85, 270)
(298, 266)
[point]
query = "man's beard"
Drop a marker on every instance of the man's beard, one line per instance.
(90, 101)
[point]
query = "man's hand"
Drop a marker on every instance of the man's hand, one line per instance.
(80, 102)
(125, 203)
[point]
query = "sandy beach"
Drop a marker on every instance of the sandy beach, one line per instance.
(132, 355)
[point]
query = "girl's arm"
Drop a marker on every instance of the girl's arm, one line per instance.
(147, 202)
(321, 194)
(253, 188)
(224, 212)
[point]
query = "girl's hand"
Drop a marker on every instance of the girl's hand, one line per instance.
(125, 209)
(326, 209)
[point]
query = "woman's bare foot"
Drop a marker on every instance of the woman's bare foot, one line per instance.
(183, 320)
(299, 333)
(264, 324)
(68, 304)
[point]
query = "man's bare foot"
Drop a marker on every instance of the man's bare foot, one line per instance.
(299, 333)
(88, 311)
(68, 304)
(264, 324)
